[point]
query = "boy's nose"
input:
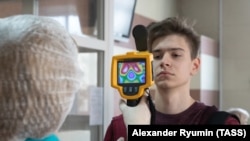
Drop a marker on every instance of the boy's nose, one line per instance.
(165, 61)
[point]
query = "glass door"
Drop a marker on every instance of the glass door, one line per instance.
(85, 120)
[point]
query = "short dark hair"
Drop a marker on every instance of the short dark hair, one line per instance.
(177, 26)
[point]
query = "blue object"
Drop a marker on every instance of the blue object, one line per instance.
(51, 137)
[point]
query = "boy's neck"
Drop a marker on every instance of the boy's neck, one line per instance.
(173, 102)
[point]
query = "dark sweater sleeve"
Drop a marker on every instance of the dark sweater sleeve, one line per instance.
(232, 121)
(116, 129)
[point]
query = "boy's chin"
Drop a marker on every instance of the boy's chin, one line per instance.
(162, 84)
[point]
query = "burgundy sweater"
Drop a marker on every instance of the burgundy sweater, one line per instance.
(198, 113)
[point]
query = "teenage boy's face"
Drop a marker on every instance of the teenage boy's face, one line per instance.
(172, 65)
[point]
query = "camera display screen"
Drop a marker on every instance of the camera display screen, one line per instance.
(131, 72)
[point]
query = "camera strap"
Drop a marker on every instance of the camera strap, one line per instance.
(151, 108)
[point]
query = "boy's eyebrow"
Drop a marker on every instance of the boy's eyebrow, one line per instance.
(167, 49)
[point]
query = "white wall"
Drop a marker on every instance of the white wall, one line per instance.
(235, 55)
(157, 9)
(206, 14)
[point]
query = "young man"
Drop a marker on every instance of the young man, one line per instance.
(175, 48)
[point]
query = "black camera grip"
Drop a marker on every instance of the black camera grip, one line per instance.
(133, 103)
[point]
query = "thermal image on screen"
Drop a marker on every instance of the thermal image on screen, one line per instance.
(131, 72)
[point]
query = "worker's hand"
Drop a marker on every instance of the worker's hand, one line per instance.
(121, 139)
(139, 114)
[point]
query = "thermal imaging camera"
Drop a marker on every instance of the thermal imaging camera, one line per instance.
(131, 74)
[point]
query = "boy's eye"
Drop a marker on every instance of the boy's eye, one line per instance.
(176, 55)
(157, 56)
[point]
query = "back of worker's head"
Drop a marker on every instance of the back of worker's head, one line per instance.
(39, 76)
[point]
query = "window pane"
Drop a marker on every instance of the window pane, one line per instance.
(78, 16)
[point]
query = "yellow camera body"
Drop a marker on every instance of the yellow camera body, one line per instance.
(131, 73)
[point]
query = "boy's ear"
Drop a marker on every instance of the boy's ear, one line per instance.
(195, 66)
